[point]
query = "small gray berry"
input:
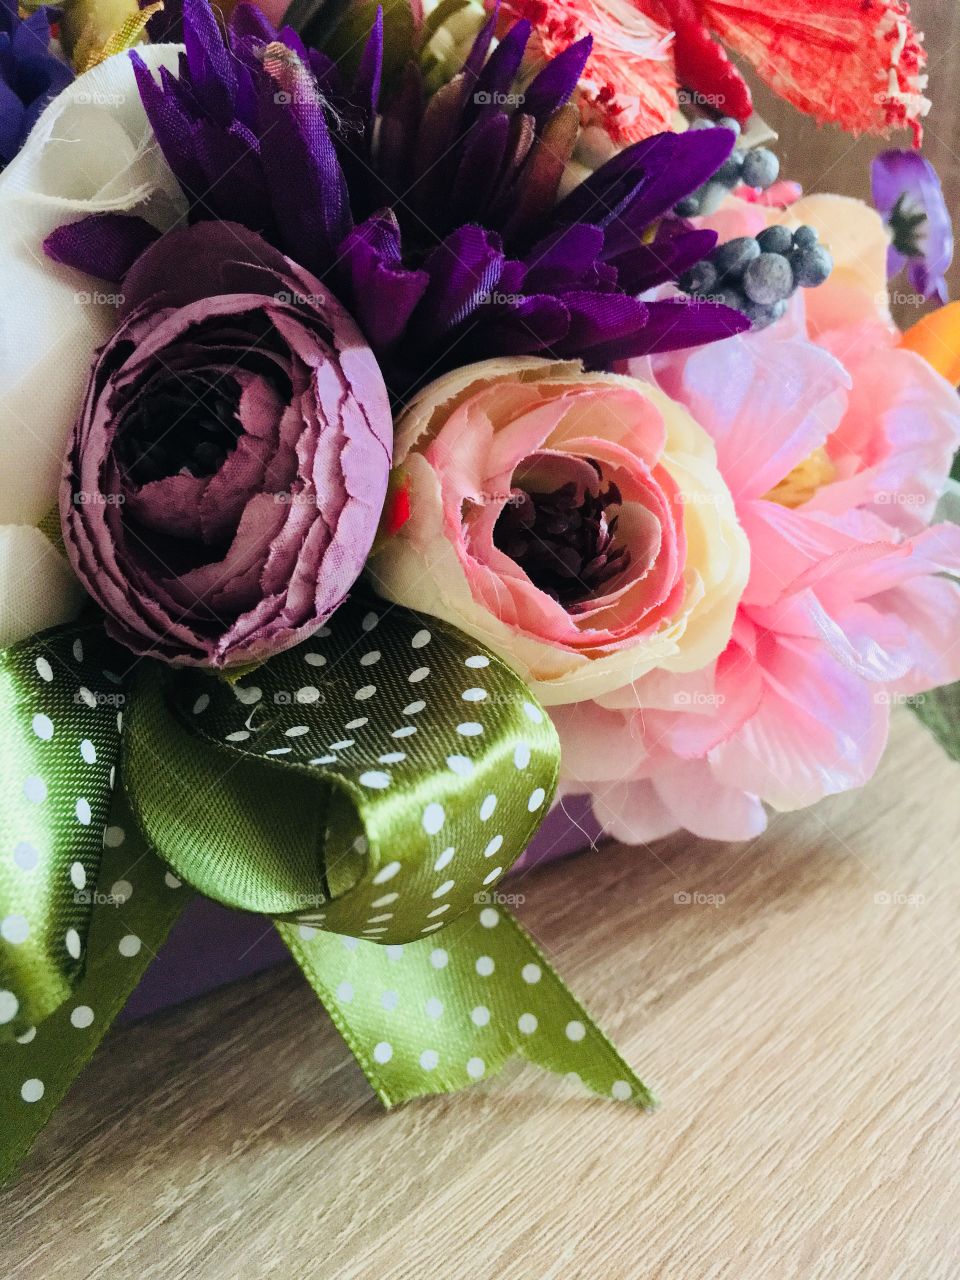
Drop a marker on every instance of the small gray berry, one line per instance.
(700, 278)
(702, 123)
(768, 279)
(805, 237)
(776, 240)
(731, 257)
(728, 122)
(761, 168)
(811, 266)
(688, 207)
(712, 195)
(729, 171)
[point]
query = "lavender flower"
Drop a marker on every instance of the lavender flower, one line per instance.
(30, 75)
(436, 218)
(907, 194)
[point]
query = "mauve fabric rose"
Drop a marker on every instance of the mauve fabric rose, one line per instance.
(227, 472)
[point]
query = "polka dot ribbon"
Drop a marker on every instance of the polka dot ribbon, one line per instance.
(367, 790)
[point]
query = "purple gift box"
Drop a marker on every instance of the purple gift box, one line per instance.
(211, 945)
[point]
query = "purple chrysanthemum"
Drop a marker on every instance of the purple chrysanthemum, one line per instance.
(908, 196)
(436, 218)
(30, 75)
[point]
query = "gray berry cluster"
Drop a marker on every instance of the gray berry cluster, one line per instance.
(757, 274)
(757, 167)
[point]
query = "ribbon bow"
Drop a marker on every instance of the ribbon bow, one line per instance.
(366, 790)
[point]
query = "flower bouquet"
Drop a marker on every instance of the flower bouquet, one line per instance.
(416, 418)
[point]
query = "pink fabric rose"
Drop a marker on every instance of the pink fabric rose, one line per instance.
(835, 445)
(227, 472)
(574, 522)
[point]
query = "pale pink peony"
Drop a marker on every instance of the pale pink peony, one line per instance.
(836, 446)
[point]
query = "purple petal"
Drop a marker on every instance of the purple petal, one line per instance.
(674, 323)
(463, 270)
(552, 86)
(211, 66)
(104, 245)
(366, 86)
(905, 183)
(383, 293)
(503, 65)
(563, 256)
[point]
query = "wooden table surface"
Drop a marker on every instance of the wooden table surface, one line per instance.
(804, 1037)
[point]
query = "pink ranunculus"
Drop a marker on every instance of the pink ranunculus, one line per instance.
(227, 472)
(836, 445)
(574, 522)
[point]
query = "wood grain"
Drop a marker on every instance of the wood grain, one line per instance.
(804, 1036)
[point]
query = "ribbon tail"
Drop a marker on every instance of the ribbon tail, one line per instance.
(134, 906)
(431, 1016)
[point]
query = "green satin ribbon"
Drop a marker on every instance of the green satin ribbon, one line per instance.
(367, 790)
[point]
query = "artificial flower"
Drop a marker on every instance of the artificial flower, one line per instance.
(574, 522)
(229, 465)
(848, 606)
(89, 153)
(908, 195)
(437, 222)
(31, 75)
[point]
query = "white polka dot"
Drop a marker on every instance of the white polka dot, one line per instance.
(239, 735)
(324, 760)
(475, 1068)
(308, 693)
(370, 658)
(495, 874)
(315, 659)
(407, 732)
(478, 660)
(421, 673)
(394, 951)
(247, 694)
(78, 650)
(364, 692)
(531, 973)
(575, 1030)
(460, 765)
(358, 723)
(493, 847)
(345, 992)
(383, 1051)
(82, 810)
(384, 915)
(121, 891)
(44, 669)
(78, 875)
(342, 744)
(321, 633)
(279, 751)
(443, 889)
(25, 856)
(438, 911)
(489, 917)
(527, 1022)
(621, 1090)
(433, 818)
(484, 966)
(71, 941)
(385, 900)
(390, 1000)
(307, 931)
(297, 730)
(88, 751)
(31, 1090)
(533, 713)
(81, 1016)
(444, 859)
(9, 1004)
(469, 729)
(414, 708)
(29, 1035)
(487, 807)
(114, 837)
(429, 1059)
(433, 1008)
(129, 945)
(521, 755)
(171, 881)
(386, 873)
(392, 757)
(15, 929)
(429, 928)
(375, 779)
(473, 695)
(349, 944)
(85, 696)
(439, 958)
(536, 799)
(201, 704)
(35, 789)
(370, 620)
(43, 727)
(420, 639)
(480, 1016)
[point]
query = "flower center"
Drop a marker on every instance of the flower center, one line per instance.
(186, 427)
(907, 226)
(564, 539)
(804, 480)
